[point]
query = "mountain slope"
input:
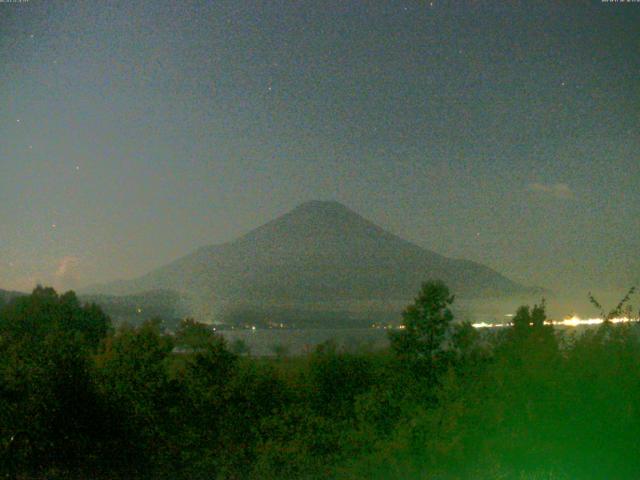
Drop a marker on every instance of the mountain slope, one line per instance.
(6, 295)
(319, 255)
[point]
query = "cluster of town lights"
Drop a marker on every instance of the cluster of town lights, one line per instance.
(567, 322)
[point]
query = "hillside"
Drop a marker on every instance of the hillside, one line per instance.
(6, 295)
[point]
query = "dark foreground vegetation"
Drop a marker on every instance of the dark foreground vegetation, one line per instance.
(79, 400)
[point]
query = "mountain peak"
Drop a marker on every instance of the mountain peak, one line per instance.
(315, 216)
(321, 251)
(323, 206)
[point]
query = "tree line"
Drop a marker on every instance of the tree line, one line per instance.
(80, 399)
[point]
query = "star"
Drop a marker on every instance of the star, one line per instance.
(77, 167)
(17, 120)
(31, 36)
(53, 225)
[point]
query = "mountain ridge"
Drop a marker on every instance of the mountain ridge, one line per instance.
(8, 295)
(318, 253)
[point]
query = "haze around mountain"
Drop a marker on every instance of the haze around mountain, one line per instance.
(321, 257)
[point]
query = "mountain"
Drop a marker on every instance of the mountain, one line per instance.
(319, 257)
(6, 295)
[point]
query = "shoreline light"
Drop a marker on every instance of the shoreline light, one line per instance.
(573, 321)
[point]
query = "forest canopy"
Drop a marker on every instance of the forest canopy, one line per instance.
(80, 399)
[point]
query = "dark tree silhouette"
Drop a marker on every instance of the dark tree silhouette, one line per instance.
(623, 306)
(426, 325)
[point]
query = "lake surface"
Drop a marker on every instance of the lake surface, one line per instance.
(263, 342)
(297, 341)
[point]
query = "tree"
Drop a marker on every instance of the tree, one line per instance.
(539, 315)
(337, 379)
(280, 350)
(194, 335)
(240, 347)
(531, 342)
(467, 345)
(44, 312)
(132, 376)
(522, 319)
(527, 320)
(622, 308)
(206, 377)
(51, 413)
(426, 325)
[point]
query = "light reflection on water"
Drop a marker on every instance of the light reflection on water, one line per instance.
(294, 341)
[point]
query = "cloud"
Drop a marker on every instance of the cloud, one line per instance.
(67, 272)
(556, 190)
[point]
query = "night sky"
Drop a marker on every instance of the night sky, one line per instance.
(133, 132)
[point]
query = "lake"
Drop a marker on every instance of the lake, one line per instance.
(299, 341)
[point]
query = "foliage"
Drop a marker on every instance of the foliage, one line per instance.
(192, 334)
(240, 347)
(78, 400)
(52, 418)
(33, 317)
(622, 308)
(426, 326)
